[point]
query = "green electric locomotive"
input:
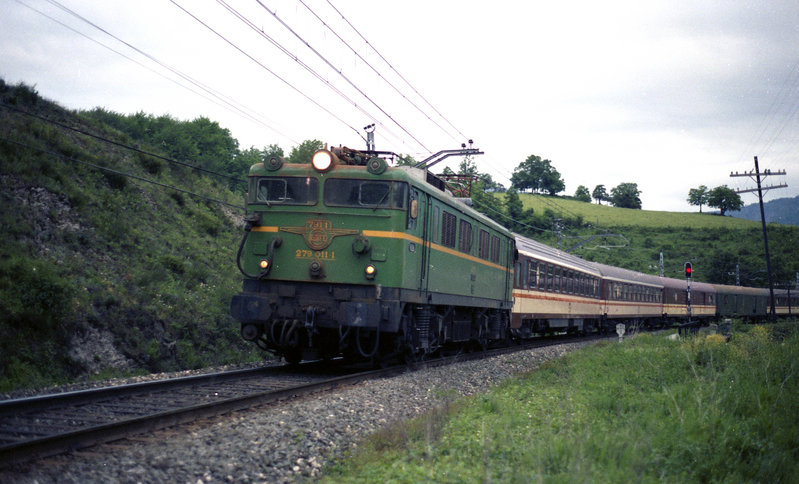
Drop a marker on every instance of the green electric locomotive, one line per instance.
(348, 256)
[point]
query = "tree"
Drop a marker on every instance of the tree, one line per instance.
(698, 196)
(582, 194)
(304, 152)
(626, 195)
(489, 184)
(405, 160)
(514, 207)
(252, 155)
(537, 174)
(725, 199)
(468, 167)
(600, 194)
(272, 150)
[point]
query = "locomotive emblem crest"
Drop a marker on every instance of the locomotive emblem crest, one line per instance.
(318, 233)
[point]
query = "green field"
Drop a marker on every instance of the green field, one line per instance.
(650, 409)
(607, 216)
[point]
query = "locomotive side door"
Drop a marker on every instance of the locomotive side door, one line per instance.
(419, 225)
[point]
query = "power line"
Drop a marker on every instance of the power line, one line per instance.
(396, 89)
(395, 70)
(267, 69)
(338, 71)
(116, 172)
(122, 145)
(223, 101)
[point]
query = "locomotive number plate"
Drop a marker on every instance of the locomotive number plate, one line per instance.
(315, 254)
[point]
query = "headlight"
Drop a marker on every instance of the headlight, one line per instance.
(264, 264)
(323, 160)
(370, 271)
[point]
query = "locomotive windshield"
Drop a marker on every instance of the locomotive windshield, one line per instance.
(288, 190)
(341, 192)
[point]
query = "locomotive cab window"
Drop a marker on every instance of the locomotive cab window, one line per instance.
(341, 192)
(287, 190)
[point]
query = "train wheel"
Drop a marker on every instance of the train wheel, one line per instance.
(293, 356)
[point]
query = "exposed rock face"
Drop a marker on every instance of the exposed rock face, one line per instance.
(95, 350)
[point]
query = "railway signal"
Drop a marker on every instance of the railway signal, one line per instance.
(688, 271)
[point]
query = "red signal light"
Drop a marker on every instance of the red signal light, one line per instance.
(688, 271)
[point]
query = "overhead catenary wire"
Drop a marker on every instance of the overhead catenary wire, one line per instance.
(378, 73)
(267, 69)
(463, 136)
(220, 99)
(338, 71)
(783, 98)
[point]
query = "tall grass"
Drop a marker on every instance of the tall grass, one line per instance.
(649, 409)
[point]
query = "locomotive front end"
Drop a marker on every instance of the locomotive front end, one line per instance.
(322, 271)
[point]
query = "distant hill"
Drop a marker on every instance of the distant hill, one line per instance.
(782, 210)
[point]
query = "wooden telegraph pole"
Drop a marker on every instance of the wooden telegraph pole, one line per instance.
(756, 175)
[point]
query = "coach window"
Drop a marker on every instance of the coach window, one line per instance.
(532, 274)
(550, 277)
(542, 276)
(518, 271)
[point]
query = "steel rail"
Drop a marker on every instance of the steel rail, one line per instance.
(55, 443)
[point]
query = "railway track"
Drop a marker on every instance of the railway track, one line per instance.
(36, 427)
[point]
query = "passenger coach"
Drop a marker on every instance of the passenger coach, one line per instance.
(554, 291)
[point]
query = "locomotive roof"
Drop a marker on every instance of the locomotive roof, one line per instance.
(420, 177)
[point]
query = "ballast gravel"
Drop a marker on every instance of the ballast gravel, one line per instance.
(278, 443)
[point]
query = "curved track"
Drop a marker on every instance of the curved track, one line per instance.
(36, 427)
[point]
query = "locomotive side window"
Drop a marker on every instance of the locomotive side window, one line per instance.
(436, 216)
(448, 228)
(465, 241)
(485, 244)
(342, 192)
(494, 249)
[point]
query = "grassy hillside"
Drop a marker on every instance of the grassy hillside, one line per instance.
(100, 271)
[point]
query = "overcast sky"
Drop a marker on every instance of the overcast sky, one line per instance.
(666, 94)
